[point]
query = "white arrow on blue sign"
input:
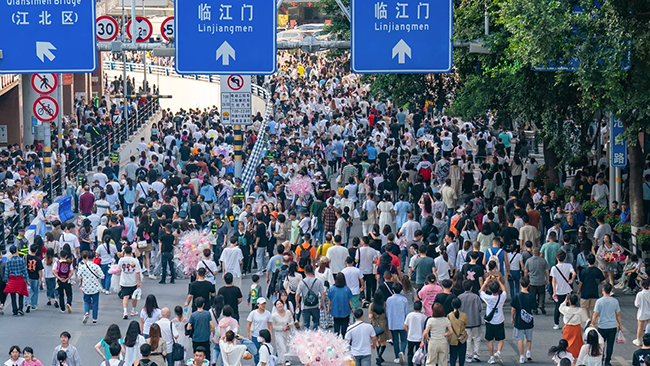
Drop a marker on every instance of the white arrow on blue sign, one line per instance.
(401, 36)
(225, 37)
(55, 36)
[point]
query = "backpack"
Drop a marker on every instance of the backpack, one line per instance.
(282, 275)
(425, 173)
(311, 299)
(254, 294)
(305, 255)
(495, 258)
(273, 359)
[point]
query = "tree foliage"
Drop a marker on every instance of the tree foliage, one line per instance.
(340, 27)
(413, 89)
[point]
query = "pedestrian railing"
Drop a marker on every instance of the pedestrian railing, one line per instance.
(169, 71)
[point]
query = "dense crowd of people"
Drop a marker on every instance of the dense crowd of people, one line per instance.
(434, 225)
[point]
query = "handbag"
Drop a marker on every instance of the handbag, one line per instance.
(178, 351)
(142, 244)
(378, 330)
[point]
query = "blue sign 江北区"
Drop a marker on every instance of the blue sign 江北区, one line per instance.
(225, 37)
(48, 36)
(618, 144)
(401, 36)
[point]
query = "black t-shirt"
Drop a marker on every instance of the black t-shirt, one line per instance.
(260, 232)
(394, 249)
(523, 305)
(185, 152)
(509, 235)
(168, 210)
(138, 210)
(546, 216)
(191, 168)
(445, 300)
(478, 261)
(167, 243)
(34, 265)
(481, 143)
(473, 272)
(591, 277)
(639, 356)
(116, 235)
(432, 251)
(201, 289)
(231, 296)
(195, 213)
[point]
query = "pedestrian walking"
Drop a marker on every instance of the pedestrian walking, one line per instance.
(607, 316)
(15, 277)
(362, 339)
(90, 283)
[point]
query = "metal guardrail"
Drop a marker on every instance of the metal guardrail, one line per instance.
(169, 71)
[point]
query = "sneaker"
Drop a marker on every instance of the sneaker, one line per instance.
(556, 327)
(28, 308)
(152, 277)
(94, 321)
(85, 319)
(468, 360)
(2, 310)
(476, 358)
(619, 285)
(68, 308)
(161, 282)
(627, 291)
(497, 357)
(528, 356)
(522, 359)
(62, 311)
(34, 308)
(402, 359)
(125, 316)
(637, 342)
(56, 304)
(396, 361)
(133, 313)
(491, 360)
(172, 282)
(49, 303)
(20, 312)
(543, 311)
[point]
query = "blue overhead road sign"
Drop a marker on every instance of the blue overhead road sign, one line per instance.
(401, 36)
(48, 36)
(225, 37)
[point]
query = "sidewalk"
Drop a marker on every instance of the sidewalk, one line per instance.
(131, 146)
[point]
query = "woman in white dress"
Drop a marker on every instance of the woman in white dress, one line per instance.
(283, 328)
(132, 342)
(385, 209)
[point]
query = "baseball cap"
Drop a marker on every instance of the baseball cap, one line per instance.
(261, 300)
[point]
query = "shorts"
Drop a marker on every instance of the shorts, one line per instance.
(494, 332)
(519, 334)
(128, 291)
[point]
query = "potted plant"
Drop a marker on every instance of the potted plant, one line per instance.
(575, 161)
(643, 240)
(599, 211)
(612, 220)
(588, 207)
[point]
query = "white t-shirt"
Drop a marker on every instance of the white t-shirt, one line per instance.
(491, 302)
(209, 276)
(102, 178)
(129, 267)
(68, 238)
(415, 321)
(360, 336)
(442, 268)
(103, 253)
(408, 230)
(561, 286)
(259, 321)
(230, 258)
(600, 233)
(265, 353)
(513, 259)
(366, 256)
(353, 276)
(148, 320)
(337, 255)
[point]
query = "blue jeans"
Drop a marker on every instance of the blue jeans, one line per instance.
(405, 254)
(167, 259)
(399, 341)
(106, 281)
(33, 289)
(260, 257)
(450, 213)
(320, 232)
(256, 355)
(514, 282)
(50, 284)
(309, 315)
(362, 360)
(94, 301)
(127, 209)
(70, 191)
(216, 352)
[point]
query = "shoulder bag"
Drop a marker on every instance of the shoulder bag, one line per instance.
(178, 351)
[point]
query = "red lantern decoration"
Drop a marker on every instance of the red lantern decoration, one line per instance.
(309, 4)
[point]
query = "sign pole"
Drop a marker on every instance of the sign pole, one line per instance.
(238, 153)
(59, 119)
(47, 156)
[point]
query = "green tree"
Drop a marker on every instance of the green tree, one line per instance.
(340, 26)
(603, 37)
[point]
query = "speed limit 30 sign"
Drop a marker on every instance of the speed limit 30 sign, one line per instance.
(106, 28)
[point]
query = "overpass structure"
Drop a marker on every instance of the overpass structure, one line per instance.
(188, 91)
